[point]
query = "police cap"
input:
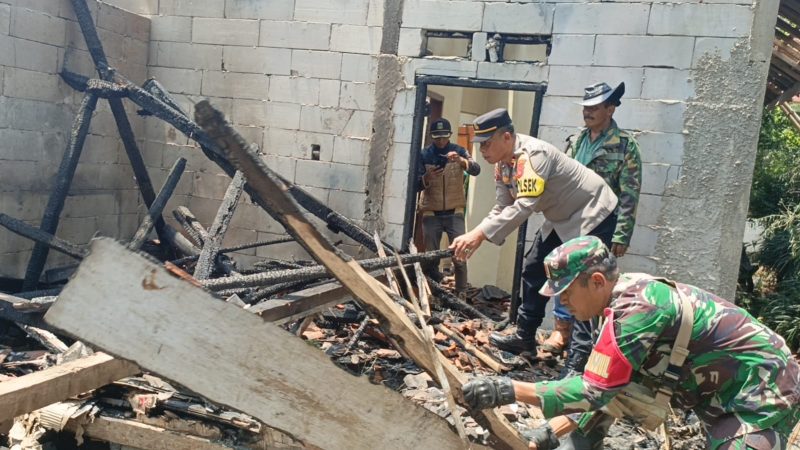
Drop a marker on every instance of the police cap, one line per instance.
(487, 124)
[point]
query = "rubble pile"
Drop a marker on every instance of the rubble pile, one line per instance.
(187, 313)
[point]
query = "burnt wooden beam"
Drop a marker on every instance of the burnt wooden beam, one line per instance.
(63, 181)
(205, 263)
(41, 237)
(266, 292)
(234, 248)
(365, 289)
(191, 225)
(160, 92)
(154, 213)
(38, 389)
(314, 272)
(451, 301)
(253, 367)
(95, 47)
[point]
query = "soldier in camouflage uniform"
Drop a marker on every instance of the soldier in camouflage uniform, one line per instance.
(613, 154)
(738, 376)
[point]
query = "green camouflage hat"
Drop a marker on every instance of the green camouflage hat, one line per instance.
(571, 258)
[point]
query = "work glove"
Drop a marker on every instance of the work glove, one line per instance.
(543, 437)
(488, 392)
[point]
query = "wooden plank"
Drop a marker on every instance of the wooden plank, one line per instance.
(427, 333)
(39, 389)
(138, 435)
(301, 303)
(272, 192)
(125, 304)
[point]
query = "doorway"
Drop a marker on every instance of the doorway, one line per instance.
(460, 101)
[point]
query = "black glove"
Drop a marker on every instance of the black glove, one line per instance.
(488, 392)
(544, 437)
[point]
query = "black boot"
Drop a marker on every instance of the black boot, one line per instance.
(522, 340)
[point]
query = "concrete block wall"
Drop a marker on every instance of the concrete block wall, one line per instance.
(38, 39)
(292, 75)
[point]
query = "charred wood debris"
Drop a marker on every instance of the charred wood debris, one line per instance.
(303, 297)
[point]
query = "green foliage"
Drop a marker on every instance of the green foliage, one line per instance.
(776, 179)
(780, 249)
(775, 203)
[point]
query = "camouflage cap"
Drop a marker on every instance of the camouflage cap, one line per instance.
(570, 259)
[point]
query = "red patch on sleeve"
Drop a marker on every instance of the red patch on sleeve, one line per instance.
(607, 366)
(521, 167)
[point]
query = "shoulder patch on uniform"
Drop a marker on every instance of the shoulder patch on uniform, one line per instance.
(529, 183)
(598, 364)
(607, 366)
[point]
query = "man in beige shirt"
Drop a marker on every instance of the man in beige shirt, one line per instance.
(534, 176)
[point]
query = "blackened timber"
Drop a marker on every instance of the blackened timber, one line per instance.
(191, 225)
(165, 231)
(93, 44)
(336, 222)
(367, 291)
(315, 272)
(235, 248)
(451, 301)
(158, 205)
(66, 172)
(105, 89)
(35, 234)
(95, 47)
(154, 87)
(216, 233)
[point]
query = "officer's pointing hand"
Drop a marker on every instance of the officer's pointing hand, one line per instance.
(465, 245)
